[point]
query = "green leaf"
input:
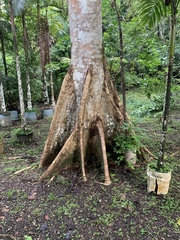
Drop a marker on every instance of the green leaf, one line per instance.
(178, 222)
(151, 11)
(27, 237)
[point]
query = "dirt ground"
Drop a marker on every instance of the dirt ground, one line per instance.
(68, 208)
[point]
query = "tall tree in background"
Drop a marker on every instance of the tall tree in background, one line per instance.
(121, 48)
(88, 112)
(2, 98)
(26, 50)
(43, 43)
(173, 5)
(17, 3)
(48, 45)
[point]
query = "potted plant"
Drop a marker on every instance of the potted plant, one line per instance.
(1, 145)
(24, 135)
(158, 179)
(159, 175)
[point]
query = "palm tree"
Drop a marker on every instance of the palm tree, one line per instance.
(25, 38)
(2, 98)
(18, 5)
(43, 42)
(151, 12)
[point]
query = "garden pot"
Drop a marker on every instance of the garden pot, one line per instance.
(31, 117)
(5, 119)
(158, 181)
(25, 138)
(47, 113)
(14, 115)
(1, 146)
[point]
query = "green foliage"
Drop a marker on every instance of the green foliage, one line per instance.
(154, 105)
(21, 131)
(145, 52)
(151, 11)
(26, 237)
(175, 97)
(125, 140)
(165, 169)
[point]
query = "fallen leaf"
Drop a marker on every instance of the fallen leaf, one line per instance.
(123, 196)
(130, 208)
(5, 209)
(19, 220)
(32, 197)
(178, 222)
(46, 217)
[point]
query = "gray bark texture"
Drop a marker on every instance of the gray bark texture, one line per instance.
(88, 112)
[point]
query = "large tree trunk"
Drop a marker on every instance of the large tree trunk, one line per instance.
(88, 111)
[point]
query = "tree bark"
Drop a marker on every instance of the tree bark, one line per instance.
(43, 43)
(88, 112)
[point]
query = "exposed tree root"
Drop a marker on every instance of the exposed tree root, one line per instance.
(104, 154)
(144, 154)
(62, 122)
(71, 129)
(67, 152)
(83, 143)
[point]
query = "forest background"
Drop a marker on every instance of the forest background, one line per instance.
(145, 53)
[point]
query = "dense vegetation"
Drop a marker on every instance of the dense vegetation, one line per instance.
(145, 51)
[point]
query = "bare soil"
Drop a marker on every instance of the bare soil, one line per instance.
(68, 208)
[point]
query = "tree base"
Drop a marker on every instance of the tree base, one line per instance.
(74, 131)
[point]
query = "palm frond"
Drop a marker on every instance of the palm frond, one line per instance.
(151, 11)
(18, 6)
